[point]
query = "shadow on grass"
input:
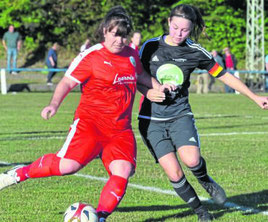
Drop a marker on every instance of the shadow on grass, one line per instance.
(34, 132)
(13, 164)
(247, 204)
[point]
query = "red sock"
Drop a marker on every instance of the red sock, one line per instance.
(112, 193)
(45, 166)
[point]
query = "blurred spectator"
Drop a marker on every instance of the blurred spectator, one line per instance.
(266, 75)
(12, 44)
(135, 43)
(218, 58)
(51, 62)
(86, 45)
(135, 40)
(202, 83)
(230, 63)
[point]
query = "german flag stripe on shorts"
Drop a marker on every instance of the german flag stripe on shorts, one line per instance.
(215, 70)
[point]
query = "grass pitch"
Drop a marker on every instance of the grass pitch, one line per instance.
(234, 139)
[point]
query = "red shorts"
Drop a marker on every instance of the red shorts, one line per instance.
(86, 141)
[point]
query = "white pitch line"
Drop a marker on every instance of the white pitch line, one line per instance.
(173, 193)
(232, 133)
(138, 136)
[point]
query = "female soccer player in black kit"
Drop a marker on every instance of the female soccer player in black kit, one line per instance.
(168, 127)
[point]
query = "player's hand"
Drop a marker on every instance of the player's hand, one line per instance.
(262, 101)
(155, 95)
(167, 86)
(48, 112)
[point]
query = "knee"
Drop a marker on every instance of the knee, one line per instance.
(175, 175)
(192, 162)
(121, 168)
(68, 166)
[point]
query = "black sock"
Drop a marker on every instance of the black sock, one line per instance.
(186, 192)
(103, 214)
(200, 171)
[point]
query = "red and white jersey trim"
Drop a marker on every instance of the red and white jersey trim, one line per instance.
(78, 59)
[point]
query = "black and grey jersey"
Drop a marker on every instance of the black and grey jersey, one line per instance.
(161, 60)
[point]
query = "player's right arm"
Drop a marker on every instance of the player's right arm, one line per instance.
(61, 91)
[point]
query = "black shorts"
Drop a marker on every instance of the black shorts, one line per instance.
(163, 137)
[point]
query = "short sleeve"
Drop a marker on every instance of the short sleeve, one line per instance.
(80, 69)
(216, 70)
(5, 37)
(207, 62)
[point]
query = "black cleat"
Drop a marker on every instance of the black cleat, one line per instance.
(203, 214)
(215, 191)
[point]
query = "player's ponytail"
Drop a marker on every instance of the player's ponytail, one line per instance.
(116, 16)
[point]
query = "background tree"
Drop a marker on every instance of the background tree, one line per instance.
(70, 22)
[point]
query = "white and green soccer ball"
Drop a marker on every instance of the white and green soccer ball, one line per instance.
(80, 212)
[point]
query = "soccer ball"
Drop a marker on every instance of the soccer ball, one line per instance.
(80, 212)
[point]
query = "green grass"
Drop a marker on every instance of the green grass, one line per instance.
(238, 162)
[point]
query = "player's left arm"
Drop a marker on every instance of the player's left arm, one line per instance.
(238, 85)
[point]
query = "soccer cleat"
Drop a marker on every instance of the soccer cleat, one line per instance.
(9, 178)
(102, 219)
(203, 214)
(215, 191)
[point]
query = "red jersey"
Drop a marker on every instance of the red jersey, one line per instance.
(108, 85)
(134, 47)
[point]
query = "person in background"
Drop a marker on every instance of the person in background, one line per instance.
(109, 74)
(202, 83)
(230, 63)
(168, 128)
(86, 45)
(135, 40)
(52, 62)
(219, 60)
(12, 44)
(266, 75)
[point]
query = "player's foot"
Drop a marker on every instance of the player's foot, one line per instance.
(102, 219)
(9, 178)
(203, 214)
(215, 191)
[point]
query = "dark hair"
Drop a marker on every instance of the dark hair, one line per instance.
(193, 14)
(116, 16)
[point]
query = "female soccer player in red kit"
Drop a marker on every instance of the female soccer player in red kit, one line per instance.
(108, 73)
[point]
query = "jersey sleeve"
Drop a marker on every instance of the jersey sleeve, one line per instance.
(145, 56)
(207, 62)
(80, 69)
(5, 37)
(216, 70)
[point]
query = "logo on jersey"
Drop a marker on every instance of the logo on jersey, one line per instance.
(179, 60)
(124, 79)
(108, 63)
(155, 59)
(170, 73)
(132, 60)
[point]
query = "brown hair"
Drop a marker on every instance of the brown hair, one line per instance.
(116, 16)
(193, 14)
